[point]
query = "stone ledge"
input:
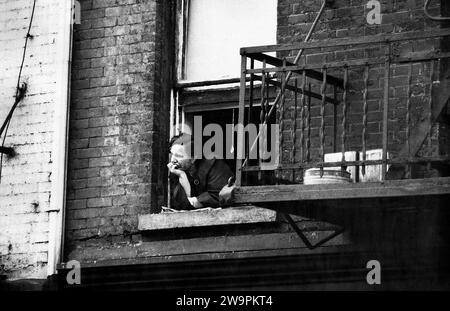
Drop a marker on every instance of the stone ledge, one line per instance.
(206, 217)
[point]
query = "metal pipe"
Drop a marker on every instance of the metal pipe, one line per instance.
(56, 211)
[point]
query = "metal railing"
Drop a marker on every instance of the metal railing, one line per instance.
(398, 73)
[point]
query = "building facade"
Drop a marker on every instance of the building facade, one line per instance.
(91, 189)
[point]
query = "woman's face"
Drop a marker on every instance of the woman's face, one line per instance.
(180, 158)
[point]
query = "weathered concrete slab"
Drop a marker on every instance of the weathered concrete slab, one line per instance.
(206, 217)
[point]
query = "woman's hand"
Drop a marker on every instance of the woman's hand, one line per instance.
(195, 203)
(182, 178)
(174, 170)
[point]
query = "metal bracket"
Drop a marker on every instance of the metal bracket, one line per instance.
(76, 19)
(7, 150)
(303, 236)
(20, 94)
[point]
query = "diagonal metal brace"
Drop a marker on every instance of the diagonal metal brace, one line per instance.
(303, 236)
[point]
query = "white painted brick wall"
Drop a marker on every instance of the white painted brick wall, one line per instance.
(26, 179)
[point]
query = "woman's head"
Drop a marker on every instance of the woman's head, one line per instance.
(180, 151)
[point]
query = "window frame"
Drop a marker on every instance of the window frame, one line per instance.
(179, 113)
(181, 44)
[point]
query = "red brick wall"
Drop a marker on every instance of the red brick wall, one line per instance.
(118, 116)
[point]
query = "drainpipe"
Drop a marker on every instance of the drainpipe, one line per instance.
(60, 137)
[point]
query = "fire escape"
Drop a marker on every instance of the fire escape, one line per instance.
(312, 109)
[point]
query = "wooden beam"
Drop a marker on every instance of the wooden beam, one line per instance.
(394, 188)
(420, 131)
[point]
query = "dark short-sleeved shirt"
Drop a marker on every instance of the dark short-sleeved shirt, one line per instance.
(207, 178)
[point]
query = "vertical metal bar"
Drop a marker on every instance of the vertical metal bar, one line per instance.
(173, 100)
(365, 111)
(430, 113)
(263, 109)
(250, 106)
(250, 110)
(294, 129)
(233, 123)
(267, 108)
(387, 69)
(430, 109)
(302, 117)
(408, 118)
(172, 132)
(334, 120)
(240, 134)
(281, 113)
(308, 126)
(183, 119)
(263, 85)
(322, 117)
(177, 117)
(344, 116)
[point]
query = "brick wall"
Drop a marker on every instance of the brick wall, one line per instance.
(347, 18)
(122, 59)
(121, 79)
(26, 178)
(119, 117)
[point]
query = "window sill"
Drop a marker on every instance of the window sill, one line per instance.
(206, 217)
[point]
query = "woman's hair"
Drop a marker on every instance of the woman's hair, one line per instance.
(183, 139)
